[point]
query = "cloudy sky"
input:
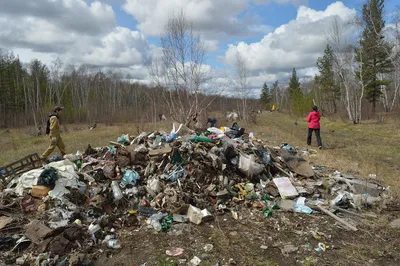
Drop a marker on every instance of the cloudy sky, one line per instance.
(272, 35)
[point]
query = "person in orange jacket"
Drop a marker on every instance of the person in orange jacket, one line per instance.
(314, 126)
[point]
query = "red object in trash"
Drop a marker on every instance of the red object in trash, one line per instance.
(28, 204)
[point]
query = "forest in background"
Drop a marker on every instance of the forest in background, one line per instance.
(30, 91)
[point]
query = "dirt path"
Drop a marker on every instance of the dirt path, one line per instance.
(284, 239)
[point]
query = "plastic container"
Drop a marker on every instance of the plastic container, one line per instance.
(156, 225)
(94, 228)
(40, 191)
(116, 190)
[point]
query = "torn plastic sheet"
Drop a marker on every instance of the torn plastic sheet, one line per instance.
(66, 171)
(180, 129)
(220, 133)
(300, 206)
(248, 166)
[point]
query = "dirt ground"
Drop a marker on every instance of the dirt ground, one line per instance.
(285, 239)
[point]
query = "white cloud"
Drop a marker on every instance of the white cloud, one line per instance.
(215, 19)
(295, 44)
(120, 48)
(293, 2)
(85, 32)
(208, 16)
(27, 55)
(210, 45)
(69, 15)
(75, 31)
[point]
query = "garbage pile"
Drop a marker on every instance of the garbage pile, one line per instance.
(154, 181)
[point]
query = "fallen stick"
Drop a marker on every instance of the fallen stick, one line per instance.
(11, 228)
(348, 212)
(281, 169)
(337, 218)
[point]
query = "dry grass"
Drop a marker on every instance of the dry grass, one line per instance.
(16, 143)
(369, 148)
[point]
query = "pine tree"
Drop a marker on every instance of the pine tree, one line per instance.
(294, 85)
(265, 97)
(299, 102)
(373, 55)
(329, 89)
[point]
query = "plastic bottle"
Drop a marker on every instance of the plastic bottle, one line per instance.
(113, 243)
(155, 221)
(116, 190)
(119, 173)
(79, 164)
(156, 225)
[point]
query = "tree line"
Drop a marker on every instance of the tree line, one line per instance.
(30, 91)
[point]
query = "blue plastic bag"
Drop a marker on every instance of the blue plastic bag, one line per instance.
(130, 177)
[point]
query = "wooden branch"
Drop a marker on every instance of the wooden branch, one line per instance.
(348, 212)
(281, 169)
(351, 227)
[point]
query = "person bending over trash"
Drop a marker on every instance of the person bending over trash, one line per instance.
(212, 121)
(53, 130)
(314, 125)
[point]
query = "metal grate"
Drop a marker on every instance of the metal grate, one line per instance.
(10, 171)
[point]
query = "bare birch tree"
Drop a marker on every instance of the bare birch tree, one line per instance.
(344, 65)
(181, 69)
(395, 56)
(242, 74)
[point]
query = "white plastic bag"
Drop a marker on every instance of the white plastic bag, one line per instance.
(180, 129)
(153, 186)
(219, 132)
(248, 166)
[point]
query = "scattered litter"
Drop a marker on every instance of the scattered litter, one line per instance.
(208, 247)
(288, 248)
(285, 187)
(40, 191)
(174, 252)
(114, 244)
(194, 214)
(321, 247)
(395, 224)
(195, 261)
(300, 206)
